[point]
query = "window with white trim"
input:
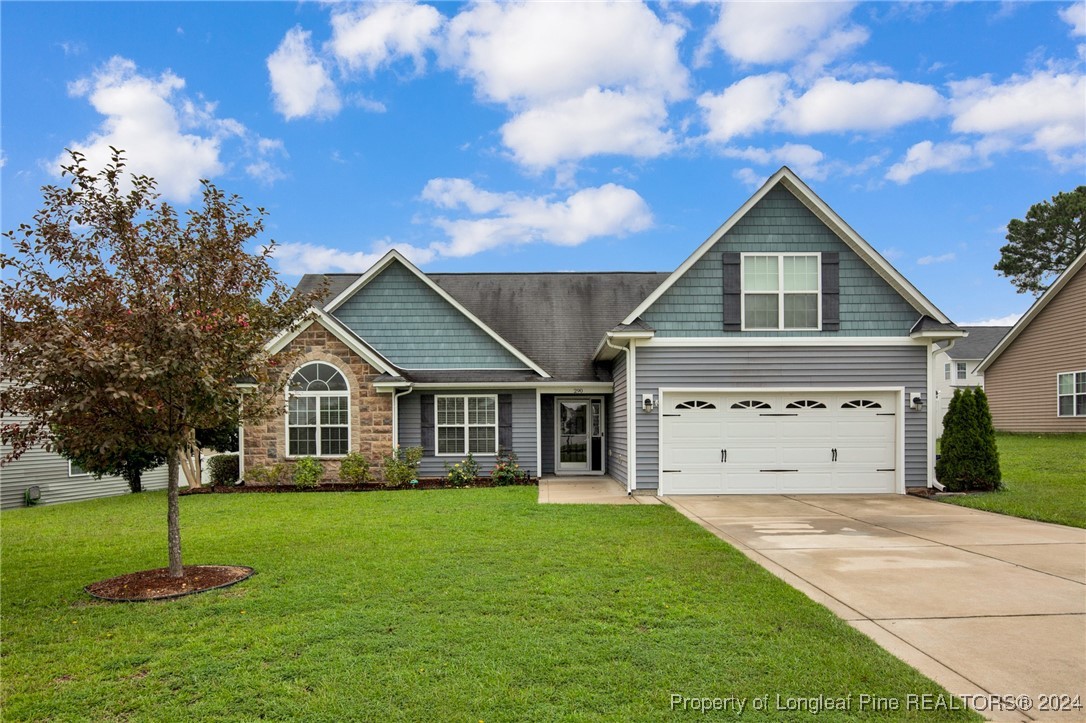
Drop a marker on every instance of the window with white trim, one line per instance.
(946, 371)
(74, 470)
(781, 291)
(467, 424)
(318, 412)
(960, 371)
(1071, 394)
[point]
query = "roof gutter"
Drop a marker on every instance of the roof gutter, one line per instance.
(629, 429)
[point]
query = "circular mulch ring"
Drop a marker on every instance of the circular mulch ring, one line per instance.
(158, 585)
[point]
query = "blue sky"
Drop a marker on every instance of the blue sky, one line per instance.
(565, 136)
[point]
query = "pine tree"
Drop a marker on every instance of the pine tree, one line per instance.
(988, 475)
(946, 465)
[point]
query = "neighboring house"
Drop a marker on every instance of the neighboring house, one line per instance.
(959, 363)
(59, 480)
(1035, 378)
(784, 356)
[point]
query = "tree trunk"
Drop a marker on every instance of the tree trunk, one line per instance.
(173, 518)
(135, 481)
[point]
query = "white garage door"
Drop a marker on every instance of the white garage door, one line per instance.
(762, 443)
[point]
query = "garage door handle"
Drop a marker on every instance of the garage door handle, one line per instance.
(834, 451)
(723, 455)
(778, 470)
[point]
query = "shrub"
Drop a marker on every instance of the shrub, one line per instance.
(402, 466)
(223, 470)
(308, 473)
(507, 469)
(968, 459)
(355, 469)
(271, 474)
(462, 473)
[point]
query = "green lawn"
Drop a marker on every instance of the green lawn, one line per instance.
(470, 605)
(1044, 477)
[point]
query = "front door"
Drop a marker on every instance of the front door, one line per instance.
(579, 435)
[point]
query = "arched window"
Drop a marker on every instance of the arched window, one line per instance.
(751, 404)
(861, 404)
(805, 404)
(318, 412)
(695, 404)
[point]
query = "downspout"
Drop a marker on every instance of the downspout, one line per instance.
(932, 410)
(395, 415)
(629, 401)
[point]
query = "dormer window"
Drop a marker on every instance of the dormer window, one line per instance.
(781, 292)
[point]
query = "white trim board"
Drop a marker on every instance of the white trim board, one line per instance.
(394, 255)
(781, 341)
(544, 387)
(818, 207)
(352, 342)
(1033, 311)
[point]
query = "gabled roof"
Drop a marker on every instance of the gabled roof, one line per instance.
(981, 340)
(827, 215)
(338, 330)
(395, 256)
(557, 319)
(1038, 306)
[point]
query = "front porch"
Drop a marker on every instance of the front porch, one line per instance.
(588, 490)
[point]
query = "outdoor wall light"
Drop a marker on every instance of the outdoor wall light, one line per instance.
(916, 403)
(648, 402)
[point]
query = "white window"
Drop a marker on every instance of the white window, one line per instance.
(318, 412)
(781, 291)
(74, 470)
(1071, 394)
(467, 424)
(946, 371)
(961, 371)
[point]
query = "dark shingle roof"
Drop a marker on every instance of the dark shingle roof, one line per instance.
(981, 341)
(556, 319)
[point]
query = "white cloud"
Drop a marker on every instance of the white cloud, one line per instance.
(942, 259)
(304, 258)
(370, 36)
(749, 177)
(300, 81)
(833, 105)
(779, 32)
(1042, 112)
(744, 107)
(608, 210)
(597, 122)
(803, 159)
(1008, 320)
(928, 156)
(516, 52)
(165, 135)
(1075, 16)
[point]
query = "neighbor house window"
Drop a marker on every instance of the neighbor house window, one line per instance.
(1071, 394)
(780, 291)
(74, 470)
(318, 412)
(960, 371)
(946, 371)
(467, 424)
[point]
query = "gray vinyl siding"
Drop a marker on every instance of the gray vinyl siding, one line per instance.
(415, 328)
(409, 421)
(546, 422)
(616, 418)
(49, 471)
(804, 367)
(780, 223)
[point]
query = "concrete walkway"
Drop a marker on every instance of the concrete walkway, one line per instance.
(982, 603)
(589, 490)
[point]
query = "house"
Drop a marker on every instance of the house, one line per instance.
(58, 480)
(1035, 378)
(959, 362)
(785, 355)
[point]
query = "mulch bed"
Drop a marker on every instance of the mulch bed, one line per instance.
(158, 585)
(426, 483)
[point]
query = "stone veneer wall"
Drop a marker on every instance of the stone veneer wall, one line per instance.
(371, 413)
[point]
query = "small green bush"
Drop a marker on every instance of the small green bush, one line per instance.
(462, 473)
(271, 474)
(223, 470)
(308, 473)
(402, 466)
(355, 469)
(507, 469)
(968, 458)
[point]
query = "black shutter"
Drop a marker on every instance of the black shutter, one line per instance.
(733, 292)
(505, 421)
(427, 417)
(831, 292)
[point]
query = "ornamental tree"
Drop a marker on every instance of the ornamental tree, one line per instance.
(1042, 246)
(127, 325)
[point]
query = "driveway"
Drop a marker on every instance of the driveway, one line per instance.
(982, 603)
